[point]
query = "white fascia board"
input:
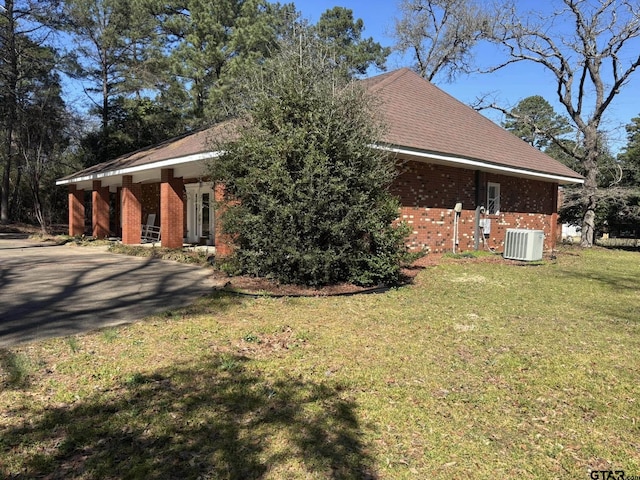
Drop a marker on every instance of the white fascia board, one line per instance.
(478, 164)
(171, 162)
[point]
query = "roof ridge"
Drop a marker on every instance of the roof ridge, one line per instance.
(388, 77)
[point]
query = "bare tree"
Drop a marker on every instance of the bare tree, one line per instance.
(440, 34)
(590, 47)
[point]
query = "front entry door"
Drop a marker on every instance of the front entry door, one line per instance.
(200, 213)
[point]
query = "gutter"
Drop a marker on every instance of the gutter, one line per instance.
(479, 165)
(171, 162)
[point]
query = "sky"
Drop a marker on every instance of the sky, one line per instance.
(506, 87)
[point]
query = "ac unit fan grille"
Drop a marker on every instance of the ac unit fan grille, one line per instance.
(522, 244)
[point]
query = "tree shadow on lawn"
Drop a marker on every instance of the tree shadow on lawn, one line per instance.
(211, 420)
(611, 278)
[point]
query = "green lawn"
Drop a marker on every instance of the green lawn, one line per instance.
(478, 370)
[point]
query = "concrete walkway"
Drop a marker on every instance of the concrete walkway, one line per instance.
(48, 290)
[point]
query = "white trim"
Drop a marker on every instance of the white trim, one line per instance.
(194, 211)
(171, 162)
(443, 158)
(496, 198)
(478, 164)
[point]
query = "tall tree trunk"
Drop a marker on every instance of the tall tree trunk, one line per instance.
(14, 199)
(37, 206)
(589, 218)
(590, 163)
(104, 141)
(10, 119)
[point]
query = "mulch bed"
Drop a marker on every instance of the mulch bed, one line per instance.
(254, 286)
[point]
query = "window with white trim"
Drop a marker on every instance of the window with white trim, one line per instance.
(493, 198)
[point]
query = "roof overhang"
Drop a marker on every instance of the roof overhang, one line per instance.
(190, 166)
(477, 165)
(194, 166)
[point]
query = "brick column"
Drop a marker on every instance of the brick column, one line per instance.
(100, 210)
(131, 211)
(171, 209)
(76, 211)
(223, 242)
(117, 221)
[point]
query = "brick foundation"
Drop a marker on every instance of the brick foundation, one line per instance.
(428, 194)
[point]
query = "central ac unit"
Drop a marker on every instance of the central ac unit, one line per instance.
(521, 244)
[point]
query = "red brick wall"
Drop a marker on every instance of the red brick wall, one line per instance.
(150, 201)
(428, 194)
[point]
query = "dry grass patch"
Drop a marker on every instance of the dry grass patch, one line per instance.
(514, 371)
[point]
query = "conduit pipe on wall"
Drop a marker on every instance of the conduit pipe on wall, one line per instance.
(457, 209)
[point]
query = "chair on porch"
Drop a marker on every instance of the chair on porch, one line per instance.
(150, 233)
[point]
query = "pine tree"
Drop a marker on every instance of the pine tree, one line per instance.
(535, 121)
(630, 157)
(99, 29)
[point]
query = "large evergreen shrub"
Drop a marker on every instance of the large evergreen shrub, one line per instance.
(310, 201)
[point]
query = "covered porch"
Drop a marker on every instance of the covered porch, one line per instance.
(164, 187)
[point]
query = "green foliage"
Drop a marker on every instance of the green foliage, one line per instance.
(534, 120)
(630, 157)
(100, 31)
(618, 209)
(110, 334)
(252, 40)
(136, 123)
(229, 265)
(197, 257)
(313, 202)
(618, 197)
(209, 43)
(343, 35)
(561, 151)
(73, 344)
(16, 367)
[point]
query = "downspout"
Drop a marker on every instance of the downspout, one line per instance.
(456, 212)
(480, 195)
(476, 222)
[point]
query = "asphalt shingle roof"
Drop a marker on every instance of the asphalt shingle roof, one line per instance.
(417, 115)
(184, 146)
(420, 116)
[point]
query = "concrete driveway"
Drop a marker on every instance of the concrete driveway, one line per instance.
(48, 291)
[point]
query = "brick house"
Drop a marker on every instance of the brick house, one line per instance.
(462, 179)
